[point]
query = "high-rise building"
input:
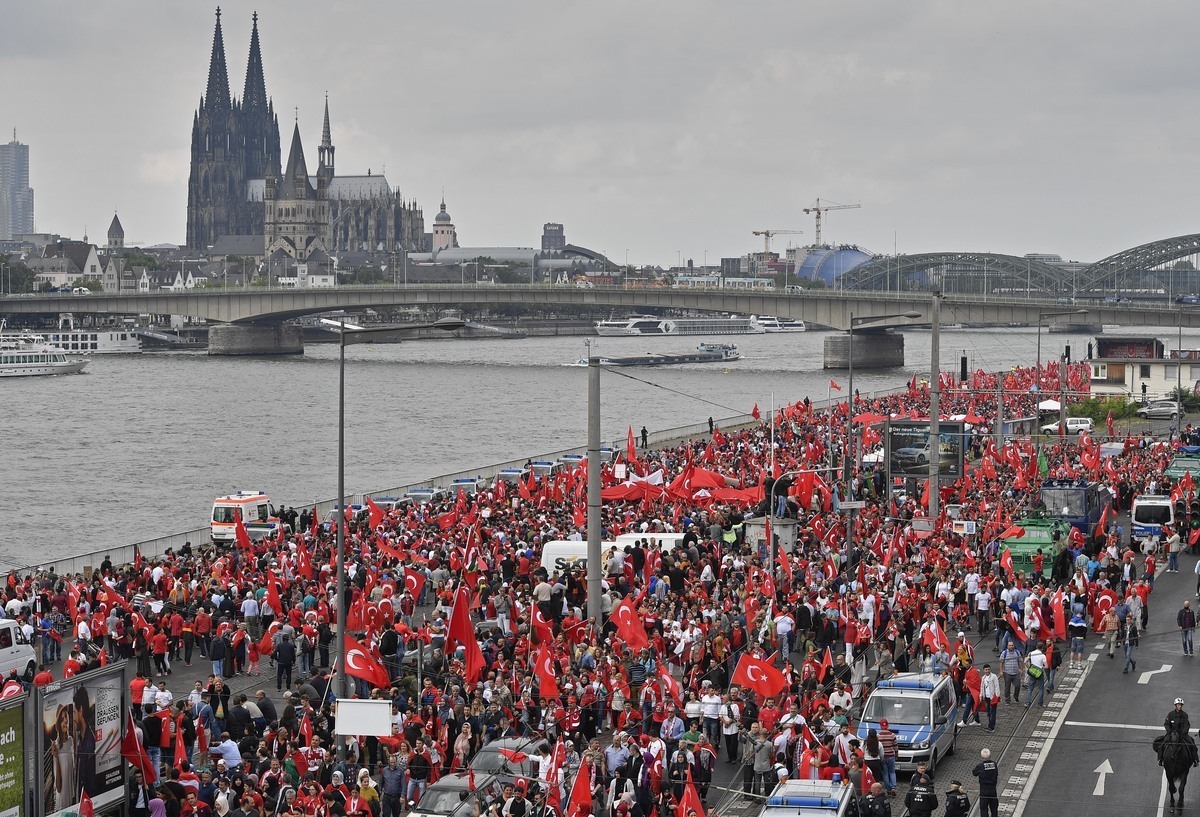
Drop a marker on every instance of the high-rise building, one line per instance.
(553, 237)
(16, 196)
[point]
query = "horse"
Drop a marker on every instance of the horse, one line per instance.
(1178, 756)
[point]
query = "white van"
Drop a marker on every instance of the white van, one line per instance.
(561, 554)
(15, 652)
(257, 512)
(1149, 514)
(920, 709)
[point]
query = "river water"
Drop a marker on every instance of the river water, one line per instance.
(139, 446)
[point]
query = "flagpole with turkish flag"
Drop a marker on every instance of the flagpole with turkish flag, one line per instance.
(461, 632)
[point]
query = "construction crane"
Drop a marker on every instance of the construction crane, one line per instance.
(766, 234)
(819, 210)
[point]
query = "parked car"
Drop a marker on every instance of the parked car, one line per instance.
(1075, 425)
(490, 760)
(458, 794)
(1159, 410)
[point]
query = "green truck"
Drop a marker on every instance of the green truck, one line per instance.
(1041, 531)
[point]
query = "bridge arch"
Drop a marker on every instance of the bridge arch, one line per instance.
(963, 272)
(1128, 268)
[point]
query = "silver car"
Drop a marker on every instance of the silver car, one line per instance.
(1159, 410)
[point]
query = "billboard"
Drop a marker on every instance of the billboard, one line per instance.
(909, 449)
(80, 723)
(12, 759)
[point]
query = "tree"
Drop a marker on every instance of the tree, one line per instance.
(16, 276)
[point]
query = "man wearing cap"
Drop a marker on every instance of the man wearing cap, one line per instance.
(887, 746)
(989, 775)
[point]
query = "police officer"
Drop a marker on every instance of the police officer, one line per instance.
(922, 775)
(875, 803)
(957, 802)
(989, 774)
(1177, 720)
(921, 800)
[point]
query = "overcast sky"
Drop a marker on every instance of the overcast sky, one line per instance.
(653, 127)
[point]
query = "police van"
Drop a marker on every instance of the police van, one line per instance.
(920, 709)
(1149, 514)
(808, 798)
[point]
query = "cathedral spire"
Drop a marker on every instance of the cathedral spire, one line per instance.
(217, 97)
(296, 167)
(255, 93)
(325, 151)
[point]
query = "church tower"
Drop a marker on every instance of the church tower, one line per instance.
(297, 210)
(325, 151)
(116, 235)
(234, 144)
(444, 234)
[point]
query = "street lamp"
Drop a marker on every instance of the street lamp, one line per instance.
(848, 446)
(352, 336)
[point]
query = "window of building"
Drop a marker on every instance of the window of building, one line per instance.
(1099, 371)
(1144, 371)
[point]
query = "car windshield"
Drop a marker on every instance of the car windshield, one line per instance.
(1073, 500)
(1152, 514)
(906, 710)
(224, 514)
(441, 801)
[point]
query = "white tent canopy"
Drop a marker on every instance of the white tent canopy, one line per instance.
(1049, 405)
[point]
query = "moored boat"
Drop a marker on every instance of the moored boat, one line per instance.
(26, 358)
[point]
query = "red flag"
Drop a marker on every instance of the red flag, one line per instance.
(1006, 562)
(826, 664)
(629, 625)
(691, 799)
(301, 762)
(306, 730)
(414, 582)
(514, 756)
(935, 637)
(630, 447)
(180, 750)
(834, 385)
(461, 632)
(374, 512)
(761, 676)
(1014, 625)
(315, 526)
(557, 757)
(543, 667)
(1060, 619)
(273, 596)
(201, 739)
(240, 534)
(579, 804)
(755, 413)
(579, 516)
(134, 752)
(360, 664)
(670, 684)
(85, 806)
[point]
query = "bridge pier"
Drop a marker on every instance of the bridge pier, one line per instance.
(254, 339)
(873, 349)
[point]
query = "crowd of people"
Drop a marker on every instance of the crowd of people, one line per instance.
(451, 616)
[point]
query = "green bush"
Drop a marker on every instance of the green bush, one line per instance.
(1098, 408)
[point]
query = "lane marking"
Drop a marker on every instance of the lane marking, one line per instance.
(1096, 725)
(1103, 770)
(1145, 676)
(1023, 800)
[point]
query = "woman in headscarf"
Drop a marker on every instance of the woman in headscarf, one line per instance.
(159, 809)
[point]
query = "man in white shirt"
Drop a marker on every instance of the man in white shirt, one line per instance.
(1035, 670)
(784, 627)
(710, 713)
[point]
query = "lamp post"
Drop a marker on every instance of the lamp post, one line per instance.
(351, 336)
(848, 446)
(593, 486)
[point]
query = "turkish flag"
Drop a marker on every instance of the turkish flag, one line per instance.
(826, 664)
(180, 749)
(273, 595)
(755, 413)
(629, 625)
(935, 637)
(1006, 561)
(834, 385)
(462, 632)
(670, 684)
(201, 739)
(414, 582)
(760, 676)
(691, 799)
(579, 516)
(1014, 624)
(514, 756)
(239, 534)
(301, 762)
(85, 806)
(580, 802)
(630, 447)
(134, 752)
(360, 664)
(541, 627)
(543, 667)
(1105, 601)
(374, 512)
(1060, 618)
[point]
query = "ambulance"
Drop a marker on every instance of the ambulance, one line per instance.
(256, 510)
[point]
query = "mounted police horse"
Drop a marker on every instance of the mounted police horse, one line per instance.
(1177, 756)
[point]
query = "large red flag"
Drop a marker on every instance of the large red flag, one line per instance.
(1060, 618)
(374, 512)
(273, 596)
(670, 684)
(758, 675)
(360, 664)
(629, 625)
(543, 667)
(1006, 562)
(826, 664)
(240, 535)
(579, 804)
(630, 447)
(180, 749)
(86, 809)
(414, 582)
(134, 752)
(201, 739)
(755, 413)
(691, 799)
(833, 384)
(461, 632)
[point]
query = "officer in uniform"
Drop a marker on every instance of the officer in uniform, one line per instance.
(989, 775)
(922, 775)
(875, 803)
(921, 800)
(957, 802)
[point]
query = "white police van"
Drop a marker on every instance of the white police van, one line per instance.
(921, 709)
(808, 798)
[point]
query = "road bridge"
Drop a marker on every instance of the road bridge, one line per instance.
(253, 321)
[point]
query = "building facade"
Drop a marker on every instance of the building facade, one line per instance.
(16, 196)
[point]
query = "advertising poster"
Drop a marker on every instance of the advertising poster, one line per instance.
(81, 742)
(909, 449)
(12, 760)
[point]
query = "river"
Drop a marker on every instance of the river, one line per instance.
(139, 445)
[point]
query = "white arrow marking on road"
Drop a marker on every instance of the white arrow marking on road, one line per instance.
(1145, 676)
(1104, 769)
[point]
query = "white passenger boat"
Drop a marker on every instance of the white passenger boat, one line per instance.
(652, 325)
(107, 340)
(770, 323)
(24, 358)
